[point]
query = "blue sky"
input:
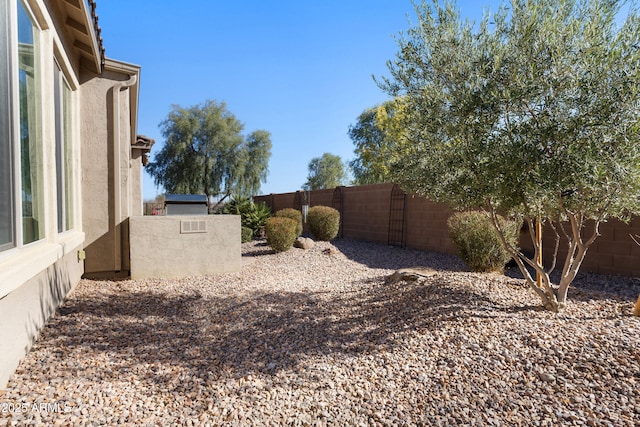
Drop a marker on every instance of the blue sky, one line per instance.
(301, 70)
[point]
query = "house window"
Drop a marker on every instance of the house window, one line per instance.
(64, 176)
(7, 227)
(21, 165)
(31, 166)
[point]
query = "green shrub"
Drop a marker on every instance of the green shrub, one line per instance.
(236, 206)
(247, 234)
(257, 218)
(479, 244)
(293, 214)
(324, 222)
(252, 215)
(281, 233)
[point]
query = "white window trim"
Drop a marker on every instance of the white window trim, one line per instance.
(24, 262)
(7, 122)
(15, 119)
(19, 265)
(66, 69)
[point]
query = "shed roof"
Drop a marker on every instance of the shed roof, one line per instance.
(185, 198)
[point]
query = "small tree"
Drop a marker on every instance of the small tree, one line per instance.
(325, 172)
(533, 113)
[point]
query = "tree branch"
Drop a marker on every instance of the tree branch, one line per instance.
(555, 249)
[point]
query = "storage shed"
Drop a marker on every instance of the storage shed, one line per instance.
(186, 204)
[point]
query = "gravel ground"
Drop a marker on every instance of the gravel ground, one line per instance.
(309, 338)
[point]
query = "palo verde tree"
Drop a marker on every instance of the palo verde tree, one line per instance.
(205, 153)
(532, 113)
(325, 172)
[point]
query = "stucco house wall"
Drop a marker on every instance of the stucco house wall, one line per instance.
(24, 311)
(111, 193)
(36, 275)
(99, 114)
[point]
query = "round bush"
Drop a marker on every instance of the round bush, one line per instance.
(281, 233)
(324, 222)
(478, 242)
(294, 214)
(247, 234)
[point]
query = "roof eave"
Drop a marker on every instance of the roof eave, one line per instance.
(82, 22)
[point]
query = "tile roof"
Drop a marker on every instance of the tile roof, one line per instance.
(144, 143)
(97, 29)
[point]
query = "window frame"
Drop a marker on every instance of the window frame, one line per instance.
(10, 134)
(64, 149)
(7, 160)
(36, 148)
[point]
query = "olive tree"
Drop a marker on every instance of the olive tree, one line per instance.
(533, 113)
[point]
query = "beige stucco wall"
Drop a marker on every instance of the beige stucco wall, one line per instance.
(35, 277)
(109, 190)
(24, 311)
(159, 249)
(135, 168)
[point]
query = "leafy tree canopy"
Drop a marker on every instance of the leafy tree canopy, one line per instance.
(376, 136)
(325, 172)
(532, 112)
(205, 153)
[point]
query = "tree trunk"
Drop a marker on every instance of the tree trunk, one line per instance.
(576, 253)
(220, 201)
(549, 301)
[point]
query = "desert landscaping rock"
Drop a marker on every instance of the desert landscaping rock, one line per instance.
(411, 274)
(303, 242)
(301, 338)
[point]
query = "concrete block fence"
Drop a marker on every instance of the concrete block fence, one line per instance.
(382, 213)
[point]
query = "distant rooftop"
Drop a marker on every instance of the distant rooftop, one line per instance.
(185, 198)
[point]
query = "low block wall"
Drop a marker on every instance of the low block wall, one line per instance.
(180, 246)
(365, 213)
(614, 252)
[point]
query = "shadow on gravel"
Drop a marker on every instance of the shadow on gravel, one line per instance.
(260, 248)
(218, 337)
(590, 286)
(376, 255)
